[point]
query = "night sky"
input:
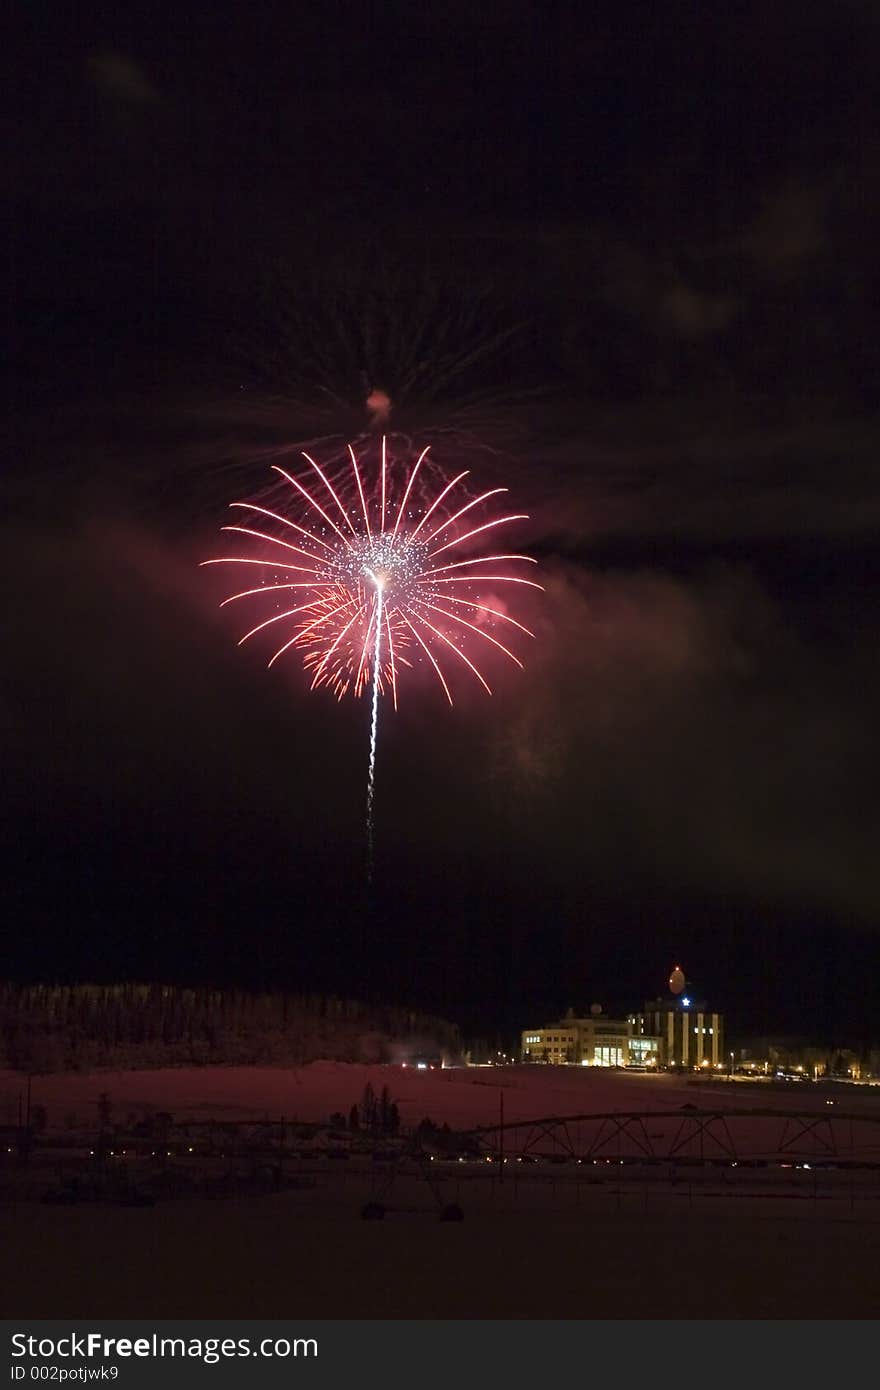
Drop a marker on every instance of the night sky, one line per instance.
(669, 217)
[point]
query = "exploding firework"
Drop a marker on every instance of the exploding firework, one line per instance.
(379, 579)
(350, 346)
(371, 339)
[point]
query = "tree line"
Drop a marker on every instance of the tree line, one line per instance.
(47, 1028)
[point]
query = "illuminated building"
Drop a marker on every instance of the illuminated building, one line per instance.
(594, 1041)
(691, 1036)
(677, 1030)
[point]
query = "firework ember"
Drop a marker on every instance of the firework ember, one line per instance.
(379, 579)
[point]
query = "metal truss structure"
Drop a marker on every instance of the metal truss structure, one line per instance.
(690, 1135)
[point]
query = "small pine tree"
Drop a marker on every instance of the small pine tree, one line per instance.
(354, 1119)
(368, 1107)
(105, 1110)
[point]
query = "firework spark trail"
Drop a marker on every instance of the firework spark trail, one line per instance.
(368, 600)
(374, 721)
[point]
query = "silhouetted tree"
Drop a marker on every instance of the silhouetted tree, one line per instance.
(369, 1109)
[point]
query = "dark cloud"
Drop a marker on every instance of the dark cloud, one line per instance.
(790, 230)
(685, 728)
(122, 78)
(728, 481)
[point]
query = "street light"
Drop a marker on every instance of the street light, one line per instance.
(730, 1067)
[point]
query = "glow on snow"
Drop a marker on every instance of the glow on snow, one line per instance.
(371, 578)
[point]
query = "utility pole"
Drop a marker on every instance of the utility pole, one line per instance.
(501, 1136)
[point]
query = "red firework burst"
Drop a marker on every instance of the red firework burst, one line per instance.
(373, 578)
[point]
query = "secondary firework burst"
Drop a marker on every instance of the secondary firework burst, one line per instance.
(395, 336)
(378, 575)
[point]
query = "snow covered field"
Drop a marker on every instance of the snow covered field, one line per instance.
(548, 1241)
(462, 1097)
(610, 1254)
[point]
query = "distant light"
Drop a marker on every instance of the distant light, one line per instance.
(685, 1001)
(584, 1062)
(421, 1066)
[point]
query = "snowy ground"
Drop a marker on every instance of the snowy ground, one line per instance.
(547, 1241)
(462, 1097)
(610, 1253)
